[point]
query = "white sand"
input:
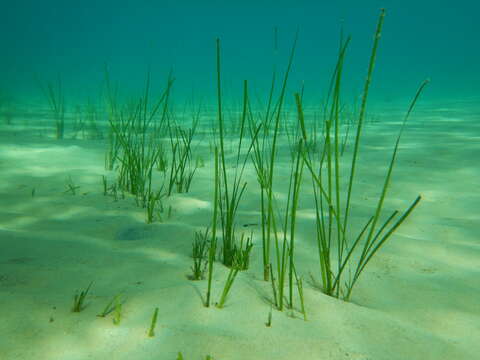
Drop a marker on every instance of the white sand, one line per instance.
(419, 298)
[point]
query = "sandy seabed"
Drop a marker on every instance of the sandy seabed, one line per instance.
(419, 298)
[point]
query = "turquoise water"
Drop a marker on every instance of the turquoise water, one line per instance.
(77, 205)
(74, 40)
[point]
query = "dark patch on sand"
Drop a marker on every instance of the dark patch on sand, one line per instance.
(134, 233)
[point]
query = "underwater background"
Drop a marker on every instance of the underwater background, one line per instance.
(111, 201)
(75, 40)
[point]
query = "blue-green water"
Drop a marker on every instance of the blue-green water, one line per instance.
(77, 189)
(75, 39)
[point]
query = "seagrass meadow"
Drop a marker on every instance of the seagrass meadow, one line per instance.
(245, 180)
